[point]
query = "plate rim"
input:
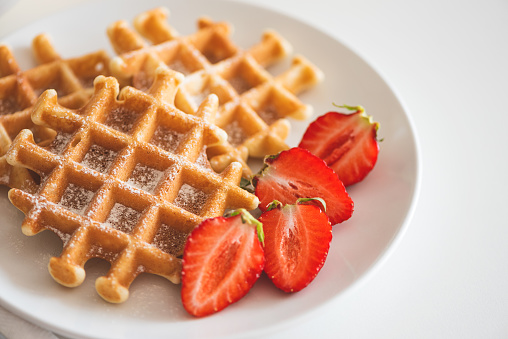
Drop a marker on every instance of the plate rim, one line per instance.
(381, 258)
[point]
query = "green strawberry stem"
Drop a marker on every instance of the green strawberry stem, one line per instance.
(274, 204)
(247, 185)
(247, 218)
(321, 201)
(351, 108)
(363, 114)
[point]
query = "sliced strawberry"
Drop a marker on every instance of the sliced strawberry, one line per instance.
(346, 142)
(297, 239)
(223, 257)
(297, 173)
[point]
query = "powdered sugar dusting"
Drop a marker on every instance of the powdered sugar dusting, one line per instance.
(64, 236)
(145, 178)
(177, 65)
(8, 105)
(142, 81)
(190, 199)
(199, 97)
(169, 240)
(122, 218)
(202, 160)
(122, 119)
(269, 113)
(59, 143)
(99, 158)
(76, 199)
(236, 135)
(98, 251)
(240, 84)
(166, 139)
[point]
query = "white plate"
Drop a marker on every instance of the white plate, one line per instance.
(383, 202)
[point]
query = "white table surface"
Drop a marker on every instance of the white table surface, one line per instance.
(448, 60)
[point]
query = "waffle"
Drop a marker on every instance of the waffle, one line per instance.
(19, 90)
(124, 180)
(254, 104)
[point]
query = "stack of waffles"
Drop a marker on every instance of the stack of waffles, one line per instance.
(123, 157)
(19, 90)
(253, 105)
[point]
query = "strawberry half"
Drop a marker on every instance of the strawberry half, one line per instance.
(223, 257)
(297, 173)
(296, 244)
(346, 142)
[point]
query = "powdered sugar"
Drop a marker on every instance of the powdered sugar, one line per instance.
(76, 199)
(190, 199)
(177, 65)
(8, 105)
(169, 240)
(145, 178)
(166, 139)
(199, 97)
(122, 119)
(4, 178)
(65, 237)
(59, 143)
(142, 81)
(98, 251)
(99, 158)
(240, 84)
(202, 160)
(269, 113)
(236, 135)
(122, 218)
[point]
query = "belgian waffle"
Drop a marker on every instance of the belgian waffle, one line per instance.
(124, 180)
(253, 103)
(19, 90)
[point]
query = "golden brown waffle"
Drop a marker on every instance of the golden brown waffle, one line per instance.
(19, 90)
(125, 180)
(253, 103)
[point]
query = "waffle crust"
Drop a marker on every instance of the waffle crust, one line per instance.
(253, 104)
(73, 80)
(125, 180)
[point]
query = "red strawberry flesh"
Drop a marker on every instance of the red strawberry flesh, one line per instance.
(346, 142)
(296, 173)
(223, 258)
(297, 240)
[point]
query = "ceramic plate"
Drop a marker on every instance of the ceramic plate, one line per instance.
(383, 201)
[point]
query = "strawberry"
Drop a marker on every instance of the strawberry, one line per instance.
(297, 173)
(223, 257)
(296, 244)
(346, 142)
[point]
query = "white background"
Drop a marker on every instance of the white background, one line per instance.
(448, 61)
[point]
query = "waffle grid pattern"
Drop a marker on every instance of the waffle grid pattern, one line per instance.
(254, 104)
(71, 78)
(97, 193)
